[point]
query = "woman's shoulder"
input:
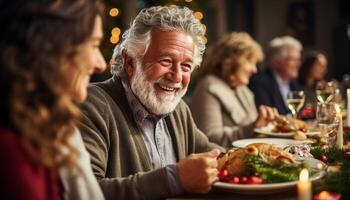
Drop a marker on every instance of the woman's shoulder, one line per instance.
(212, 82)
(12, 153)
(10, 143)
(20, 176)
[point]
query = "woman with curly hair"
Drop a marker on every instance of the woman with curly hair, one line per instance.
(222, 105)
(48, 51)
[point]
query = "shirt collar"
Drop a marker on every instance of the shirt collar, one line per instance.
(279, 80)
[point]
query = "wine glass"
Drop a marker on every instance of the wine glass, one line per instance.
(295, 101)
(324, 91)
(328, 121)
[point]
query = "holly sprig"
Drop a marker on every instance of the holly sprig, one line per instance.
(334, 181)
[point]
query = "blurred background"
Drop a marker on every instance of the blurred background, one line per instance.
(319, 24)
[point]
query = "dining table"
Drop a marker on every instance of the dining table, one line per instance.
(221, 194)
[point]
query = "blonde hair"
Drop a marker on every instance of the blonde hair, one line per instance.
(230, 52)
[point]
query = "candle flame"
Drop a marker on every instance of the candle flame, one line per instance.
(304, 175)
(324, 195)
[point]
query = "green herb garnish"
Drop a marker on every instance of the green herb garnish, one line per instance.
(273, 173)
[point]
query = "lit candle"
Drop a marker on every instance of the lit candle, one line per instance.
(324, 195)
(304, 186)
(340, 139)
(348, 107)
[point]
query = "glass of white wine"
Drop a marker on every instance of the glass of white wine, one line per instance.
(295, 101)
(324, 92)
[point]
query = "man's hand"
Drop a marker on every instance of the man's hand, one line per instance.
(198, 171)
(266, 114)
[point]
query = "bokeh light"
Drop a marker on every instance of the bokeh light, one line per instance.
(114, 12)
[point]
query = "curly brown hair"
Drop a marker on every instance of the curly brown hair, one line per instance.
(230, 52)
(36, 38)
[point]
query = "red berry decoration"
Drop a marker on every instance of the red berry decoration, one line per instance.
(324, 158)
(222, 174)
(347, 154)
(347, 128)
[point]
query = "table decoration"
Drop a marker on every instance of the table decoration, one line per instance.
(304, 185)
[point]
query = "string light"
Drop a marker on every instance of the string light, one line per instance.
(114, 39)
(172, 5)
(198, 15)
(115, 31)
(113, 12)
(188, 1)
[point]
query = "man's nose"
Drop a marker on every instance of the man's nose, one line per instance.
(175, 74)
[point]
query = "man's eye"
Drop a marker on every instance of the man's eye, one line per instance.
(165, 62)
(186, 67)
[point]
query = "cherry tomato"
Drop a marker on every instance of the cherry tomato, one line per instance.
(234, 179)
(222, 174)
(254, 180)
(243, 180)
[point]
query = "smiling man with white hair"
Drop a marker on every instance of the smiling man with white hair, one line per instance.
(140, 134)
(271, 86)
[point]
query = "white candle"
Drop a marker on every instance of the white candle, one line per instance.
(348, 107)
(304, 186)
(340, 139)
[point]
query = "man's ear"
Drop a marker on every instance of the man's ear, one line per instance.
(128, 65)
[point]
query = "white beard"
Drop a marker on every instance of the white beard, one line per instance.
(145, 92)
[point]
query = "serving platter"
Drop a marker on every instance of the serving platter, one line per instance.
(269, 188)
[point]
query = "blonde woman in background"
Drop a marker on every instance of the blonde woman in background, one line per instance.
(222, 105)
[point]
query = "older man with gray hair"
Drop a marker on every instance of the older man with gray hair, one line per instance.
(271, 86)
(140, 134)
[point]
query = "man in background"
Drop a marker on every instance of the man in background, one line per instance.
(271, 86)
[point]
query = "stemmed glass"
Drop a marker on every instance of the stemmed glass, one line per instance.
(295, 101)
(324, 92)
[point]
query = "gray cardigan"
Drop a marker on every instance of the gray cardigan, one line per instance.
(118, 154)
(223, 113)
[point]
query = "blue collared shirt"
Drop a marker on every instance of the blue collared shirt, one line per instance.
(156, 137)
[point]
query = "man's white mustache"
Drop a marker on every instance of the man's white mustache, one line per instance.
(169, 84)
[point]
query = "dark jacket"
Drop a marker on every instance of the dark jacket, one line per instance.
(267, 92)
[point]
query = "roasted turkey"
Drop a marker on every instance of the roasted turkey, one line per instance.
(233, 161)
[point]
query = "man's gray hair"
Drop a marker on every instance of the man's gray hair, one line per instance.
(136, 40)
(279, 45)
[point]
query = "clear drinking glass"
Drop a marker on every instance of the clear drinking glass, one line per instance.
(324, 92)
(295, 101)
(328, 122)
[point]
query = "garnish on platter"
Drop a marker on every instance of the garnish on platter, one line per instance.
(258, 163)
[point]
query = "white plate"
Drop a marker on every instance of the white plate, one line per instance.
(279, 142)
(268, 131)
(271, 187)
